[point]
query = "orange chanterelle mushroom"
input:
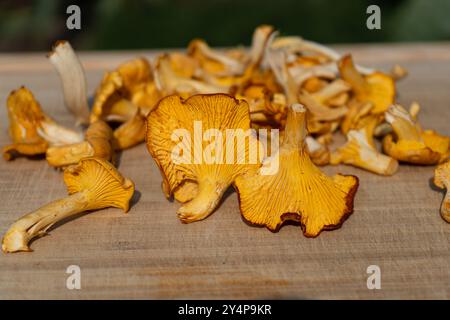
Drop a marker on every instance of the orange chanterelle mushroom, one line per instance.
(298, 190)
(195, 171)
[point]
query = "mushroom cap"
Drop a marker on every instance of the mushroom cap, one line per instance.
(217, 112)
(31, 130)
(101, 182)
(298, 190)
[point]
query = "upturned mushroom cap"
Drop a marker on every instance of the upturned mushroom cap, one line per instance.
(31, 130)
(377, 87)
(102, 184)
(218, 112)
(410, 143)
(298, 190)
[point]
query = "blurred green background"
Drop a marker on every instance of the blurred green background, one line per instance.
(131, 24)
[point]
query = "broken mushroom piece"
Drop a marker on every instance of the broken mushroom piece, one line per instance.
(168, 82)
(410, 143)
(377, 87)
(30, 129)
(442, 180)
(298, 190)
(360, 151)
(318, 152)
(92, 184)
(175, 139)
(73, 79)
(130, 133)
(98, 143)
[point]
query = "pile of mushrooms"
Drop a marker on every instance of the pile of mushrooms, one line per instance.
(304, 89)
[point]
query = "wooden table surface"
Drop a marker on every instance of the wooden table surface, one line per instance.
(148, 253)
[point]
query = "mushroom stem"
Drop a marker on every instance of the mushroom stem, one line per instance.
(37, 223)
(295, 130)
(206, 200)
(73, 80)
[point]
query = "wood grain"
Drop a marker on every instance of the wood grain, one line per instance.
(148, 253)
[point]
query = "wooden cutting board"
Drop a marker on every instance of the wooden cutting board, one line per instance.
(148, 253)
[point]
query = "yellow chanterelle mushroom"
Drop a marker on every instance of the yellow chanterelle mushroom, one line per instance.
(92, 184)
(31, 130)
(175, 139)
(98, 143)
(298, 190)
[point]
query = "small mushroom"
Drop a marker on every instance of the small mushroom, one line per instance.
(298, 190)
(30, 129)
(377, 87)
(175, 141)
(98, 143)
(124, 90)
(360, 151)
(92, 184)
(73, 79)
(410, 143)
(442, 180)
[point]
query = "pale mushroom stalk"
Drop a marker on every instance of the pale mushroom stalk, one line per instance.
(232, 66)
(331, 90)
(73, 80)
(92, 184)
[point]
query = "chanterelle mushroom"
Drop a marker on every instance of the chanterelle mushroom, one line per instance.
(98, 143)
(175, 128)
(124, 90)
(298, 190)
(92, 184)
(360, 151)
(377, 87)
(31, 130)
(410, 143)
(442, 180)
